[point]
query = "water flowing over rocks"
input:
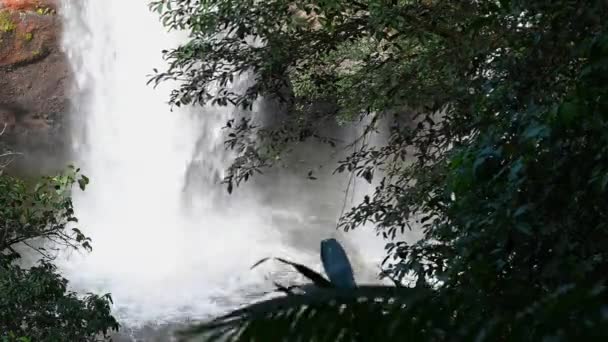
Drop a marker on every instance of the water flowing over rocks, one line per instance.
(34, 80)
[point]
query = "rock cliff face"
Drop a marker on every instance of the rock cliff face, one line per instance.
(34, 79)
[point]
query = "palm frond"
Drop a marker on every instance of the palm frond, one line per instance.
(364, 313)
(306, 271)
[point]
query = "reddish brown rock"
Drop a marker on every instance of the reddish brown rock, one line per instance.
(28, 5)
(26, 37)
(34, 78)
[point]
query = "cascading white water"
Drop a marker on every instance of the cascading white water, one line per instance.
(160, 261)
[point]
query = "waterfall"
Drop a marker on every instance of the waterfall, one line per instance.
(163, 255)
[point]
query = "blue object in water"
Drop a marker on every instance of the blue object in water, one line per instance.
(336, 264)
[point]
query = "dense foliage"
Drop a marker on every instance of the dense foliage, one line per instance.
(321, 301)
(497, 149)
(35, 303)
